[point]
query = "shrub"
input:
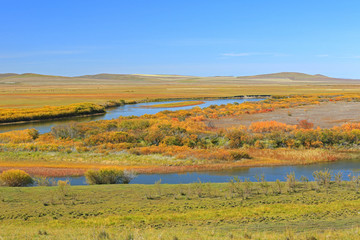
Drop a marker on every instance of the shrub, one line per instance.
(16, 178)
(128, 176)
(108, 176)
(323, 177)
(238, 155)
(63, 188)
(291, 181)
(66, 131)
(277, 187)
(34, 134)
(305, 124)
(42, 181)
(338, 177)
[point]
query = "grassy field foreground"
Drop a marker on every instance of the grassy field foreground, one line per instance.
(238, 210)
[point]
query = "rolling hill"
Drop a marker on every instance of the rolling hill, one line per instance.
(283, 78)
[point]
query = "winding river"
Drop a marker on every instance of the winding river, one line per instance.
(126, 110)
(270, 173)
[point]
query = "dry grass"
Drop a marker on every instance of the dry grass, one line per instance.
(74, 165)
(36, 91)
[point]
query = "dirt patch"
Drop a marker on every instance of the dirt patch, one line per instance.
(325, 115)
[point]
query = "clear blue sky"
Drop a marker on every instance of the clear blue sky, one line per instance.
(198, 37)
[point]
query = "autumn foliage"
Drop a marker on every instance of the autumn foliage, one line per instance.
(49, 112)
(185, 135)
(15, 178)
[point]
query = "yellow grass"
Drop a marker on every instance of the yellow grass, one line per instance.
(35, 90)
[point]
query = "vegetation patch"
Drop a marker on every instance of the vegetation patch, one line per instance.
(262, 210)
(171, 140)
(108, 176)
(49, 112)
(15, 178)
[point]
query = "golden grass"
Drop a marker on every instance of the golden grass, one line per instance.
(73, 165)
(38, 96)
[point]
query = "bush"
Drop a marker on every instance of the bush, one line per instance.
(108, 176)
(16, 178)
(66, 131)
(305, 124)
(238, 155)
(323, 177)
(291, 181)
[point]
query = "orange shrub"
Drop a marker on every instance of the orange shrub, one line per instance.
(19, 136)
(270, 126)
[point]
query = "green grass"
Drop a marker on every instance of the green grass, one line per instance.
(192, 211)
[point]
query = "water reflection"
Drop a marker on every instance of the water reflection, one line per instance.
(270, 173)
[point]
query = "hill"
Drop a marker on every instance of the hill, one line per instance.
(4, 75)
(282, 78)
(289, 75)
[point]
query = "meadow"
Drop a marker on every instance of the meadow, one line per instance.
(234, 210)
(178, 141)
(34, 90)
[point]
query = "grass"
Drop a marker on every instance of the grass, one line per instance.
(175, 104)
(192, 211)
(31, 90)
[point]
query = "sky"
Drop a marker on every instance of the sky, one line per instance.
(197, 37)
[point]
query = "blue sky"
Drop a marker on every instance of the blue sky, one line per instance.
(204, 37)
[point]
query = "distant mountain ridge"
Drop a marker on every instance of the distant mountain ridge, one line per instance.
(284, 78)
(289, 75)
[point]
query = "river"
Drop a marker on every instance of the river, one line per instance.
(270, 173)
(126, 110)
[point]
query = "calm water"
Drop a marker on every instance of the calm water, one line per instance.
(270, 173)
(126, 110)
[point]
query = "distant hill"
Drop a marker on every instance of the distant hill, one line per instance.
(282, 78)
(4, 75)
(110, 76)
(288, 75)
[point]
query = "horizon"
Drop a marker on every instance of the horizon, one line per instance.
(159, 74)
(204, 38)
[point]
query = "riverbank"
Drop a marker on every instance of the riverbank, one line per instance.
(194, 211)
(18, 116)
(52, 164)
(9, 116)
(112, 112)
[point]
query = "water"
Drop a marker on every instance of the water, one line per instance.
(126, 110)
(270, 173)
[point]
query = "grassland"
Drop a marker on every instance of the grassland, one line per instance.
(34, 90)
(174, 142)
(193, 211)
(177, 141)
